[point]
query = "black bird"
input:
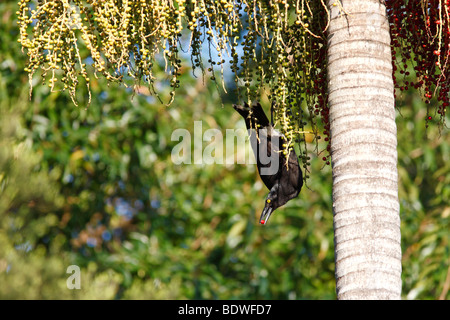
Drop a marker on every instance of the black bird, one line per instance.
(283, 178)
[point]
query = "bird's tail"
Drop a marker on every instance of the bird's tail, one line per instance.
(258, 113)
(255, 112)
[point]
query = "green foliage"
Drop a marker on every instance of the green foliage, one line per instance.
(97, 188)
(424, 190)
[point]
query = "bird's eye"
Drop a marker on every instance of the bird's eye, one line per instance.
(268, 200)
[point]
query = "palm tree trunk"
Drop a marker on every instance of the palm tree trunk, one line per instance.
(363, 151)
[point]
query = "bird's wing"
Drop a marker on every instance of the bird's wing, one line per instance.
(266, 162)
(291, 180)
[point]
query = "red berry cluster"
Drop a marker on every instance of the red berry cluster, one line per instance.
(420, 35)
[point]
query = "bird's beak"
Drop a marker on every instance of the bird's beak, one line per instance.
(265, 215)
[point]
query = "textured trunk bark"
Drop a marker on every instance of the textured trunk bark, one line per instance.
(363, 151)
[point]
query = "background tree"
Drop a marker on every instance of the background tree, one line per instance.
(286, 113)
(363, 152)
